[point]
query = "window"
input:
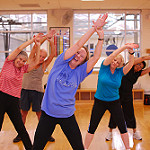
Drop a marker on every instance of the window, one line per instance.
(121, 28)
(17, 28)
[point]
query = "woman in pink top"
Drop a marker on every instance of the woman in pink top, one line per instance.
(10, 86)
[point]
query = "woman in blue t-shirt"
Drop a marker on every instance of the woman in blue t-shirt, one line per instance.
(107, 94)
(58, 105)
(126, 98)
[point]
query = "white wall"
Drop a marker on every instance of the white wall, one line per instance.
(145, 44)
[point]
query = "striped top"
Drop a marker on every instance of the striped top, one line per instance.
(11, 78)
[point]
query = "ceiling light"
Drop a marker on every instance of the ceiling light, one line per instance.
(29, 5)
(92, 0)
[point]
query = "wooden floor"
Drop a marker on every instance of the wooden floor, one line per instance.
(83, 111)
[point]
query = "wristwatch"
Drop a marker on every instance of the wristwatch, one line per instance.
(100, 39)
(131, 53)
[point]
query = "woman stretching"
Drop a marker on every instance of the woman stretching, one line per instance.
(58, 105)
(126, 97)
(10, 87)
(107, 94)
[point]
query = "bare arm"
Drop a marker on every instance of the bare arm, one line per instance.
(51, 56)
(109, 59)
(14, 54)
(129, 46)
(34, 61)
(98, 50)
(145, 71)
(33, 51)
(42, 40)
(72, 50)
(127, 67)
(140, 59)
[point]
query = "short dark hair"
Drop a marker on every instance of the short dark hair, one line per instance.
(144, 64)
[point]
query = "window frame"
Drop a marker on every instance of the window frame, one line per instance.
(125, 12)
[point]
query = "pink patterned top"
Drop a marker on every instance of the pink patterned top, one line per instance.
(11, 78)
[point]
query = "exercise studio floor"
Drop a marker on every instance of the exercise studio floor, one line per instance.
(83, 111)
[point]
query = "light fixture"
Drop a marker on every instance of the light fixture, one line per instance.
(92, 0)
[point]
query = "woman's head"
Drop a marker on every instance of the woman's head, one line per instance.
(139, 66)
(117, 62)
(80, 57)
(21, 59)
(43, 55)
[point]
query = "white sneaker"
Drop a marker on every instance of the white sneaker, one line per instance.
(137, 136)
(109, 136)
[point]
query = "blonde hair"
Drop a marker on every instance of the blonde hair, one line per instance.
(122, 60)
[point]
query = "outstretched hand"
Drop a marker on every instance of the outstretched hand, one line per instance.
(50, 34)
(101, 21)
(37, 38)
(131, 46)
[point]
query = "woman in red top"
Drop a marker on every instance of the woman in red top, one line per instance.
(10, 86)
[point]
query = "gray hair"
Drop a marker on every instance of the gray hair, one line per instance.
(24, 54)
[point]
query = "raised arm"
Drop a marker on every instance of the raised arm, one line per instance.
(98, 50)
(127, 67)
(140, 59)
(34, 61)
(42, 39)
(109, 59)
(34, 48)
(14, 54)
(145, 71)
(129, 46)
(51, 56)
(72, 50)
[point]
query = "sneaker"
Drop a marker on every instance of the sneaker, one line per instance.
(137, 136)
(51, 139)
(17, 139)
(109, 136)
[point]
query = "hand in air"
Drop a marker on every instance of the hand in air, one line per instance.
(50, 34)
(131, 46)
(37, 38)
(101, 21)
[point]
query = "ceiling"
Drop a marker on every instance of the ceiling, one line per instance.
(72, 4)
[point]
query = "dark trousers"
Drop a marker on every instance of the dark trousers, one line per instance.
(98, 111)
(10, 105)
(126, 101)
(47, 125)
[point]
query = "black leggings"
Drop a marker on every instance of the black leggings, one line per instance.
(47, 125)
(128, 111)
(10, 105)
(98, 111)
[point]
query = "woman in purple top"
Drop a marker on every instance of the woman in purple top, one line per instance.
(58, 105)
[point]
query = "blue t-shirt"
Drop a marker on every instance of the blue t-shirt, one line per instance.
(59, 97)
(108, 83)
